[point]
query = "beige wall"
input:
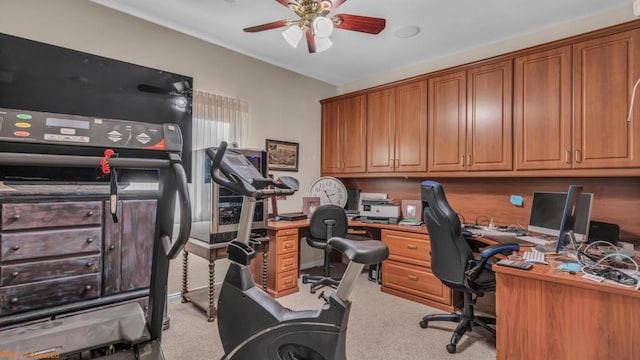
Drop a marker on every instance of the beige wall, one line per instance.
(283, 105)
(561, 31)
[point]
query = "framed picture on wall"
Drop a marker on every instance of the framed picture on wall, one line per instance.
(282, 155)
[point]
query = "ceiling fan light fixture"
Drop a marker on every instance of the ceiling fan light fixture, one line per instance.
(293, 35)
(322, 43)
(322, 27)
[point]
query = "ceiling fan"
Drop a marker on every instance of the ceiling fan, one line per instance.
(315, 23)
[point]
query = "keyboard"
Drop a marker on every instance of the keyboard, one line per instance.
(534, 257)
(535, 240)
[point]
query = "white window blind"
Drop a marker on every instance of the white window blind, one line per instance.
(216, 118)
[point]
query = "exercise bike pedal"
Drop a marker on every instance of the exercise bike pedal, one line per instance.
(323, 297)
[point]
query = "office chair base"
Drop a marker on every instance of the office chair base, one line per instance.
(320, 281)
(464, 324)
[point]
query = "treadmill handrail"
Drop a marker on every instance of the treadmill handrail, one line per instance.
(185, 211)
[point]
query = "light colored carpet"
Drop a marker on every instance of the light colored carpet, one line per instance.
(381, 327)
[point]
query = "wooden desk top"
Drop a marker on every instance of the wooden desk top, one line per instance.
(282, 225)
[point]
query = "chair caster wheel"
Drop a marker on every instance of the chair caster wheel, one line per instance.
(451, 348)
(423, 324)
(305, 281)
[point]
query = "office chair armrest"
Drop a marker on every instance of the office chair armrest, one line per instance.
(492, 250)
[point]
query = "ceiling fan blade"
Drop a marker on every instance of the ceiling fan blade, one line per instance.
(311, 41)
(269, 26)
(337, 3)
(363, 24)
(287, 2)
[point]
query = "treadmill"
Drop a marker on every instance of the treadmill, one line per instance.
(86, 329)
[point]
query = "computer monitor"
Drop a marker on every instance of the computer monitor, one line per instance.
(569, 216)
(547, 209)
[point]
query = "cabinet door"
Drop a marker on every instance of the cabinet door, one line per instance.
(137, 235)
(605, 70)
(447, 122)
(411, 127)
(111, 270)
(381, 131)
(354, 135)
(331, 132)
(542, 110)
(489, 117)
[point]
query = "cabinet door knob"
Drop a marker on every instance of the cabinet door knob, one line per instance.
(88, 287)
(90, 213)
(16, 216)
(89, 240)
(14, 300)
(15, 247)
(15, 274)
(112, 246)
(89, 264)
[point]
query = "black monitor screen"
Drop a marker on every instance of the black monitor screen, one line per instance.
(42, 77)
(547, 209)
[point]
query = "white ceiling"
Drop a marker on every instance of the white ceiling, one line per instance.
(447, 27)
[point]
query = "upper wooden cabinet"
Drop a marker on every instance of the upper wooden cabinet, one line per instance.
(470, 119)
(542, 110)
(604, 72)
(344, 136)
(397, 129)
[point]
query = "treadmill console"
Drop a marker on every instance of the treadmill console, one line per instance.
(22, 126)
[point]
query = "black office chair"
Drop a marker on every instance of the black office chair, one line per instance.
(453, 262)
(326, 222)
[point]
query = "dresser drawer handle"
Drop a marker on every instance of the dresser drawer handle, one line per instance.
(89, 264)
(89, 240)
(88, 287)
(412, 277)
(15, 247)
(412, 246)
(90, 213)
(16, 216)
(289, 281)
(14, 300)
(288, 245)
(112, 246)
(15, 274)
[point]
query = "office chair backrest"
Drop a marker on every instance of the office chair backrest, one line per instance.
(450, 252)
(318, 227)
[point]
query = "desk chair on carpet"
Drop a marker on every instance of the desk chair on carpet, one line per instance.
(453, 262)
(326, 222)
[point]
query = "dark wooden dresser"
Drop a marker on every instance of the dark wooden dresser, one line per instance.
(59, 245)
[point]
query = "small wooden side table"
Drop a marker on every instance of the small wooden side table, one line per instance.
(204, 298)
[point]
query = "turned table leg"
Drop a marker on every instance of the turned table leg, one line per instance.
(212, 306)
(185, 274)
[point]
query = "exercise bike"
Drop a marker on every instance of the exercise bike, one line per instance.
(251, 323)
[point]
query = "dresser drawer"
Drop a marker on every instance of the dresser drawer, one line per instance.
(45, 270)
(408, 247)
(287, 262)
(286, 280)
(41, 294)
(53, 214)
(414, 280)
(286, 244)
(36, 244)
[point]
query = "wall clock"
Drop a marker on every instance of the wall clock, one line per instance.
(330, 190)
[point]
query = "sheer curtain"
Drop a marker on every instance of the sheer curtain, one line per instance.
(216, 118)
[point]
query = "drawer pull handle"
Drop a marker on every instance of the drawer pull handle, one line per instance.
(88, 287)
(412, 246)
(288, 246)
(14, 300)
(16, 216)
(90, 213)
(288, 282)
(112, 246)
(89, 240)
(412, 277)
(16, 247)
(15, 274)
(89, 264)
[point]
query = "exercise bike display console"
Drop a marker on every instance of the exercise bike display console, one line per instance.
(251, 323)
(87, 329)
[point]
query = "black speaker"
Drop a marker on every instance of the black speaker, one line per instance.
(353, 198)
(601, 231)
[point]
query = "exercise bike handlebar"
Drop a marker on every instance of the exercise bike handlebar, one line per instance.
(253, 187)
(185, 211)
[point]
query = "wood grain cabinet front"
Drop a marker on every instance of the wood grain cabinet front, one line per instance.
(283, 262)
(407, 271)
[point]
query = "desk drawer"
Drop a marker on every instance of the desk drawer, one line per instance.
(45, 270)
(286, 244)
(48, 293)
(53, 214)
(414, 280)
(286, 232)
(286, 280)
(36, 244)
(287, 262)
(408, 247)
